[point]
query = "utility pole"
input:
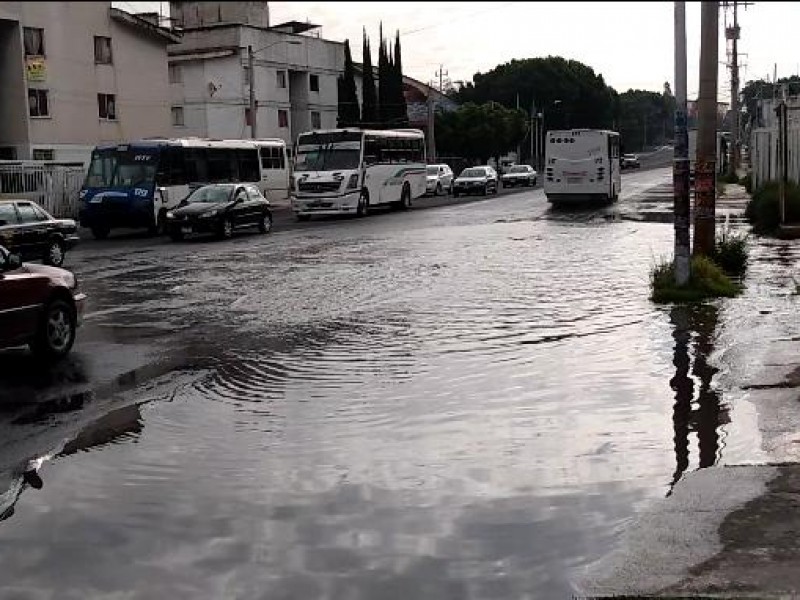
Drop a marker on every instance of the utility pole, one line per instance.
(519, 144)
(680, 165)
(431, 133)
(534, 126)
(732, 33)
(440, 74)
(250, 63)
(705, 171)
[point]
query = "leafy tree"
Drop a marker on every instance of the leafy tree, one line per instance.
(759, 89)
(369, 112)
(478, 132)
(349, 113)
(643, 118)
(400, 99)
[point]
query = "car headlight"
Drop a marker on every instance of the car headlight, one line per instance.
(170, 215)
(352, 184)
(211, 213)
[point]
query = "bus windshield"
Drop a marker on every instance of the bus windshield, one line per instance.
(328, 152)
(116, 168)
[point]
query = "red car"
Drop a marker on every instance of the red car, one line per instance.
(40, 307)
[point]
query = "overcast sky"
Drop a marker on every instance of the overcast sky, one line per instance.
(629, 43)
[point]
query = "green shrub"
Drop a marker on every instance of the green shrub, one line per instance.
(707, 280)
(730, 252)
(764, 211)
(747, 182)
(729, 178)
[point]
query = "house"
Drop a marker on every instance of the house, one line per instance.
(295, 73)
(75, 74)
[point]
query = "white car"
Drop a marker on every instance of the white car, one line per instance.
(519, 175)
(629, 161)
(482, 180)
(439, 180)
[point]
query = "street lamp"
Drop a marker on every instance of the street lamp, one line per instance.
(250, 54)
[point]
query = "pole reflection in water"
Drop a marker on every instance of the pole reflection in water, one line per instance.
(704, 414)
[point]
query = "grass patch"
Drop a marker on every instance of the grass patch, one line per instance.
(764, 211)
(707, 280)
(730, 252)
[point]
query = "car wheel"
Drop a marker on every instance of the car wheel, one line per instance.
(54, 255)
(405, 198)
(100, 232)
(362, 210)
(485, 189)
(455, 194)
(225, 231)
(438, 190)
(176, 235)
(265, 224)
(56, 332)
(303, 218)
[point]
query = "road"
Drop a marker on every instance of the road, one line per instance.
(464, 401)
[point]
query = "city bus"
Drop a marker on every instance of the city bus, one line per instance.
(275, 168)
(581, 165)
(349, 171)
(134, 184)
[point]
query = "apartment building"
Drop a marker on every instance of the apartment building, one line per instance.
(294, 73)
(78, 73)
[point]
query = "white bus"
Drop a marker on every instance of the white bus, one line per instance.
(348, 171)
(275, 168)
(582, 164)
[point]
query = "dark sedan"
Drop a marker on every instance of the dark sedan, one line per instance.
(220, 209)
(28, 230)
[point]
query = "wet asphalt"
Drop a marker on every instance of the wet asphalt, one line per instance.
(465, 401)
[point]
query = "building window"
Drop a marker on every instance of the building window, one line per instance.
(43, 154)
(281, 79)
(175, 74)
(283, 118)
(34, 41)
(316, 120)
(313, 83)
(107, 106)
(177, 116)
(37, 103)
(102, 50)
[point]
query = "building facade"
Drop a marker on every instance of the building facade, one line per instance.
(75, 74)
(295, 73)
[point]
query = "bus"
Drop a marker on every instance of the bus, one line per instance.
(349, 171)
(134, 184)
(582, 164)
(275, 168)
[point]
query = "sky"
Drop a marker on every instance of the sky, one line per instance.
(630, 43)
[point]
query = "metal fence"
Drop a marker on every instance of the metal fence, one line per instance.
(54, 187)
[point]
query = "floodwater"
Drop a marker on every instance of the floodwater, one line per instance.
(466, 402)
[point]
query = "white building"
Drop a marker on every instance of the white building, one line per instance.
(295, 73)
(73, 74)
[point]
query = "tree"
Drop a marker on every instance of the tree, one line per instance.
(349, 113)
(400, 99)
(369, 112)
(384, 83)
(478, 132)
(761, 89)
(641, 120)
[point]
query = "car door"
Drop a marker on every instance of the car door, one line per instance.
(255, 204)
(9, 225)
(239, 210)
(33, 230)
(21, 295)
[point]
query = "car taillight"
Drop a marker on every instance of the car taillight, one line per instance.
(352, 184)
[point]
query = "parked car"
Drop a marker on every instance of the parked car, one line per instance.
(220, 209)
(472, 180)
(629, 161)
(519, 175)
(28, 230)
(40, 306)
(439, 180)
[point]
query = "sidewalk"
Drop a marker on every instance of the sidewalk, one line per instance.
(732, 531)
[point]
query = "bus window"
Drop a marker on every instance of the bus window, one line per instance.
(248, 165)
(171, 170)
(196, 164)
(219, 166)
(372, 151)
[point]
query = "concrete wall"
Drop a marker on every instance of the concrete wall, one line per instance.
(199, 14)
(13, 93)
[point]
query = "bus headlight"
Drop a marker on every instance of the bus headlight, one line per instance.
(352, 184)
(170, 215)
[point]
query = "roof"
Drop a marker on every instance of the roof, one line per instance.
(295, 26)
(144, 26)
(385, 132)
(185, 142)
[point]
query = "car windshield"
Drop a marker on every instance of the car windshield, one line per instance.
(121, 168)
(519, 169)
(210, 194)
(473, 173)
(328, 152)
(433, 170)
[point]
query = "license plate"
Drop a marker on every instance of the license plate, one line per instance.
(95, 201)
(574, 179)
(186, 229)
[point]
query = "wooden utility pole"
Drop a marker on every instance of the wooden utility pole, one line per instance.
(680, 165)
(732, 33)
(431, 126)
(705, 166)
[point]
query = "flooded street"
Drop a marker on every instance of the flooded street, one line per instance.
(470, 401)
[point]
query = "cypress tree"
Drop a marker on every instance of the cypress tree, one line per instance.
(369, 112)
(349, 113)
(401, 108)
(384, 83)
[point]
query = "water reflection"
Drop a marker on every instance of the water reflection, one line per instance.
(703, 413)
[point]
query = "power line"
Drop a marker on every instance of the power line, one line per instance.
(492, 7)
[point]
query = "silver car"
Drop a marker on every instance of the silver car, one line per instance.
(439, 180)
(519, 175)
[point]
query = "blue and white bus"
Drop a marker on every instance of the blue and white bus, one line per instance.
(133, 185)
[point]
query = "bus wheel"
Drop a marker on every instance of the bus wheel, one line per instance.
(100, 232)
(405, 198)
(362, 210)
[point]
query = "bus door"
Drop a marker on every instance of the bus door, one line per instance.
(274, 172)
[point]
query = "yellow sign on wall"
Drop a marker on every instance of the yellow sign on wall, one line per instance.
(35, 68)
